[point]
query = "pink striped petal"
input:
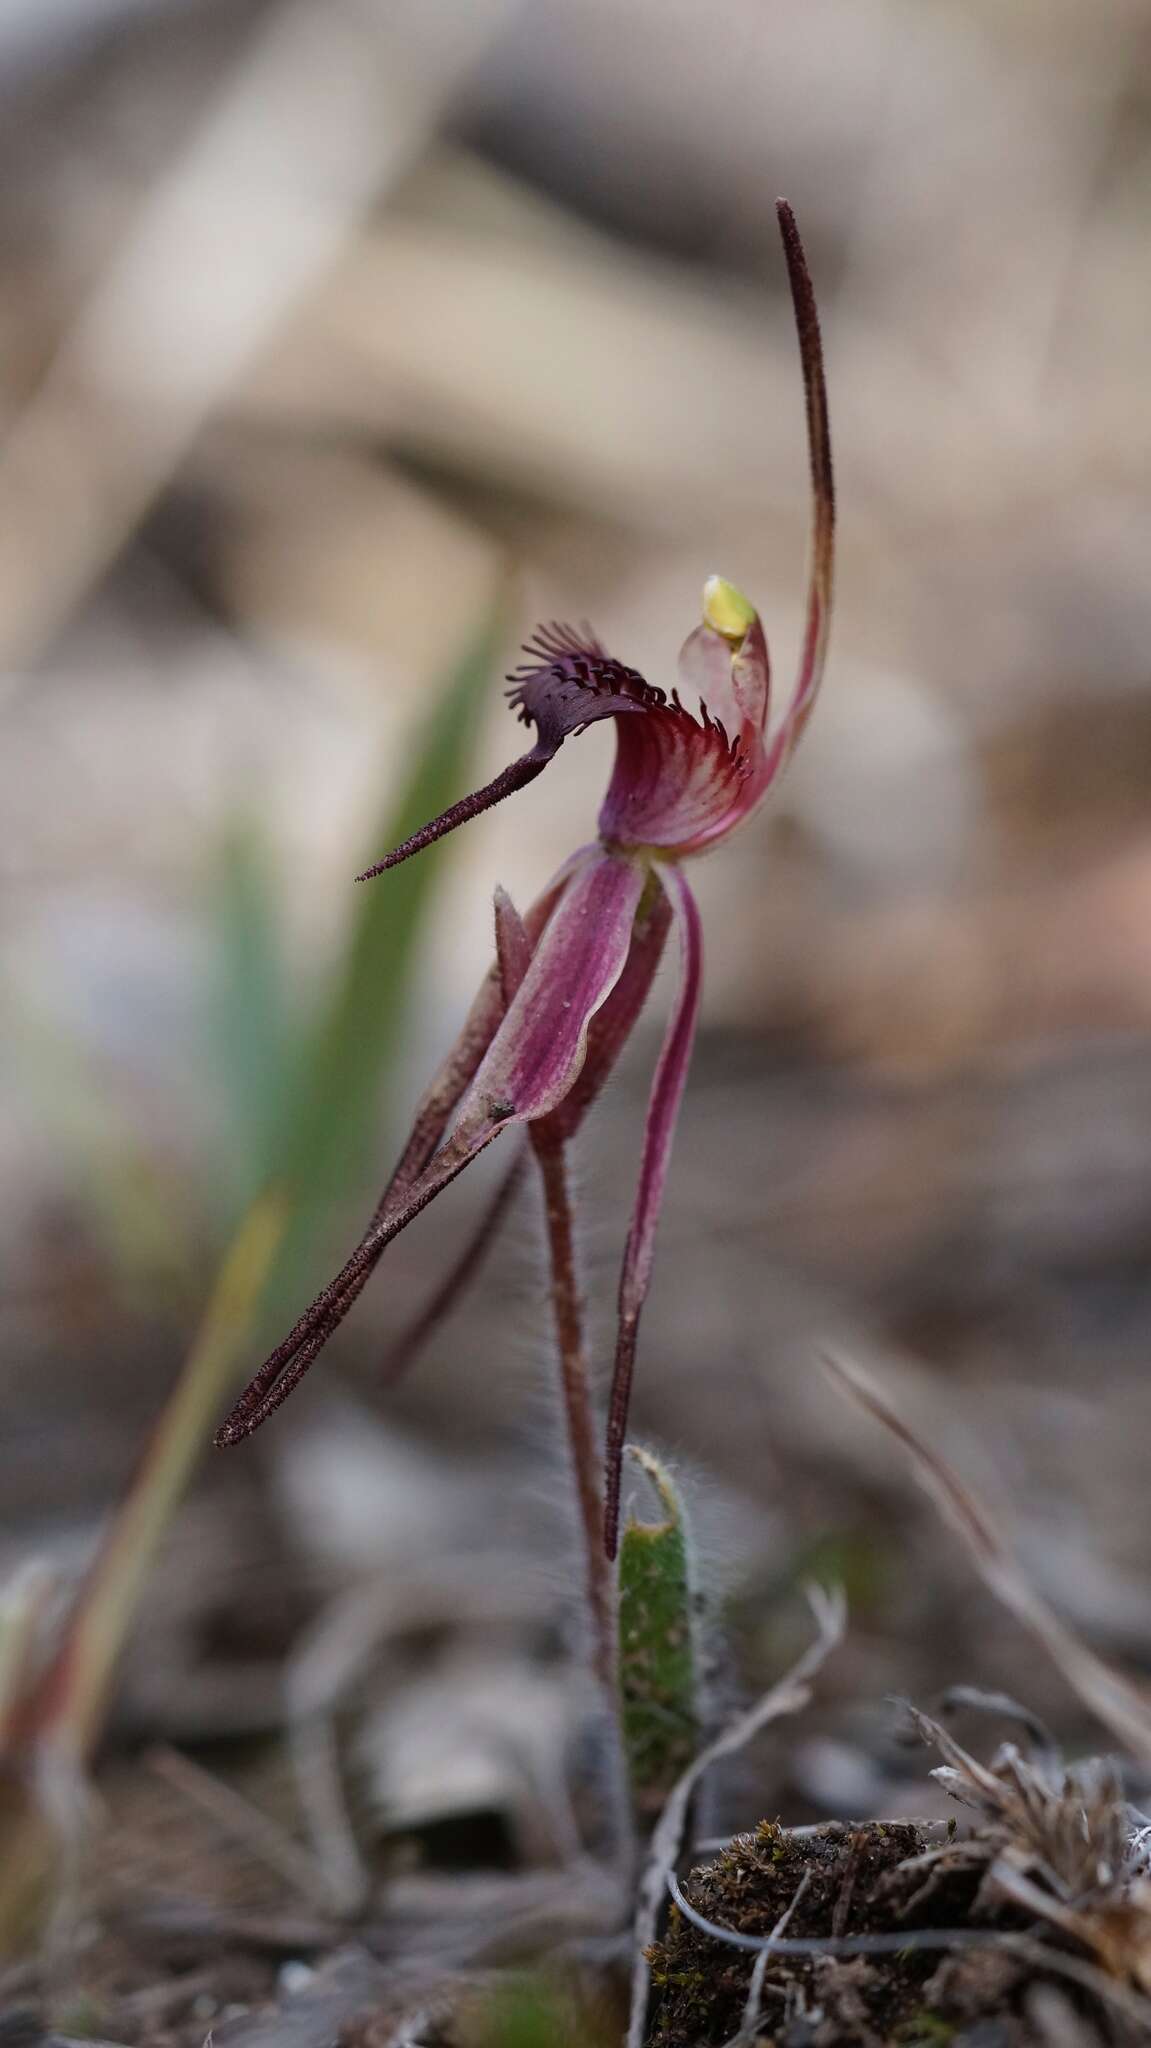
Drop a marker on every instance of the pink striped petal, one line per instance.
(608, 1033)
(539, 1048)
(613, 1024)
(663, 1111)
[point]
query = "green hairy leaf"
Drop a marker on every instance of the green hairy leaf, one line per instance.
(658, 1657)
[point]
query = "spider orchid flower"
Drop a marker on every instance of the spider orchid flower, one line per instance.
(571, 978)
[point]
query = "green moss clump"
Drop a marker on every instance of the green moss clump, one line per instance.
(852, 1883)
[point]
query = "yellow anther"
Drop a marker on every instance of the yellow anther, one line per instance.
(726, 610)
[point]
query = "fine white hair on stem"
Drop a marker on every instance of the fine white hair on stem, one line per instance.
(787, 1696)
(1121, 1706)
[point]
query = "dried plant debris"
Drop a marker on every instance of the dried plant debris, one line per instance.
(1036, 1923)
(1061, 1842)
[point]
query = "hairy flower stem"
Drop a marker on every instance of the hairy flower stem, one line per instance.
(575, 1387)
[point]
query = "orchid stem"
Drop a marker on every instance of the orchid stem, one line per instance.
(578, 1412)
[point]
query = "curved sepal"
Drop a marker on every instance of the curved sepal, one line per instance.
(528, 1068)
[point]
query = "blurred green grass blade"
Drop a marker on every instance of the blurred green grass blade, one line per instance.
(329, 1117)
(250, 1012)
(72, 1696)
(320, 1130)
(658, 1675)
(324, 1106)
(53, 1716)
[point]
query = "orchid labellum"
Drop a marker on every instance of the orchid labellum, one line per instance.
(571, 977)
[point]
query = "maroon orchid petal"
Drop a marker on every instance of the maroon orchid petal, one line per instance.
(457, 1071)
(822, 570)
(608, 1033)
(725, 659)
(406, 1348)
(569, 682)
(613, 1024)
(529, 1066)
(539, 1049)
(291, 1359)
(516, 776)
(431, 1121)
(667, 1092)
(286, 1366)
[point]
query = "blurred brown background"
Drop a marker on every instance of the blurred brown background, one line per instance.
(312, 318)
